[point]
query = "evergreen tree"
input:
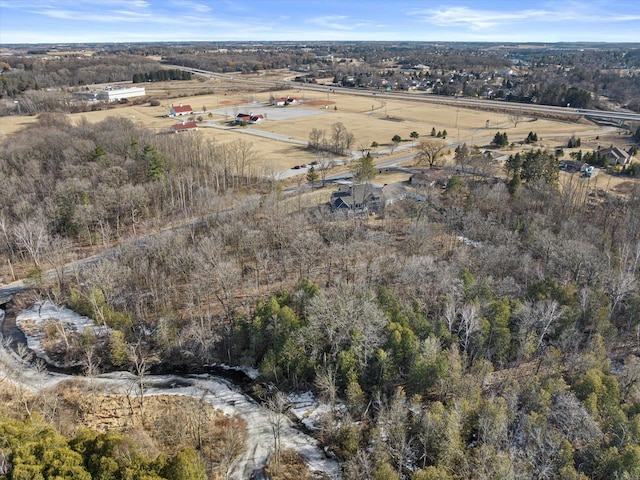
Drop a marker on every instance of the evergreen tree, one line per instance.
(500, 139)
(156, 163)
(573, 142)
(364, 170)
(185, 465)
(312, 176)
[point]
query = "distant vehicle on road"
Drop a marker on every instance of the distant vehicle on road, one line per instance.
(296, 167)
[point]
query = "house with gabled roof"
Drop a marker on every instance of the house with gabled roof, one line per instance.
(249, 118)
(180, 110)
(359, 197)
(616, 156)
(282, 101)
(184, 127)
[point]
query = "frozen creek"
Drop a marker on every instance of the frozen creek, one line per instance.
(219, 392)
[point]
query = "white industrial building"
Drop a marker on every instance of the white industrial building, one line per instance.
(110, 94)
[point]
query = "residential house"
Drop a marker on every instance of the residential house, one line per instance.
(249, 118)
(616, 156)
(282, 101)
(184, 127)
(180, 110)
(359, 197)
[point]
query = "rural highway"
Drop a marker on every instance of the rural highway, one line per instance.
(426, 97)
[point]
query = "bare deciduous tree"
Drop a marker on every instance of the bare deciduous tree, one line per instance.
(515, 117)
(430, 151)
(234, 438)
(277, 406)
(469, 323)
(360, 466)
(31, 234)
(140, 361)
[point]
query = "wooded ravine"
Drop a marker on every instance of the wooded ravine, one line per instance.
(511, 355)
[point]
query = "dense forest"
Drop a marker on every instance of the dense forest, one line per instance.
(24, 73)
(162, 75)
(489, 331)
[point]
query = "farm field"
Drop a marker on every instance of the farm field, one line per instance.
(371, 119)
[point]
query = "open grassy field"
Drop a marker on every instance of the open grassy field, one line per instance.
(371, 119)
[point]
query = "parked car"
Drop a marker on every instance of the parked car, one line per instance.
(296, 167)
(589, 172)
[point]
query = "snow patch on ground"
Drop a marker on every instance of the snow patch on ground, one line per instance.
(307, 409)
(226, 397)
(250, 372)
(34, 321)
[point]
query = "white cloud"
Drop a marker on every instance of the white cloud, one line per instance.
(145, 13)
(478, 19)
(195, 6)
(104, 17)
(334, 22)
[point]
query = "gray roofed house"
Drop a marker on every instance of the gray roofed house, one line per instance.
(616, 156)
(357, 197)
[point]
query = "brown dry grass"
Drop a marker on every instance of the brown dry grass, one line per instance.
(292, 467)
(374, 118)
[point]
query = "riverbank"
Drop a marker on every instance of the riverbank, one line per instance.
(222, 394)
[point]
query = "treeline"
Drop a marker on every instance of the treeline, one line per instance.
(39, 73)
(93, 184)
(339, 142)
(576, 78)
(551, 93)
(245, 62)
(162, 75)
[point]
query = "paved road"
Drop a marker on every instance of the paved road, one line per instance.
(429, 98)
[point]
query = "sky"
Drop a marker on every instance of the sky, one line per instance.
(86, 21)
